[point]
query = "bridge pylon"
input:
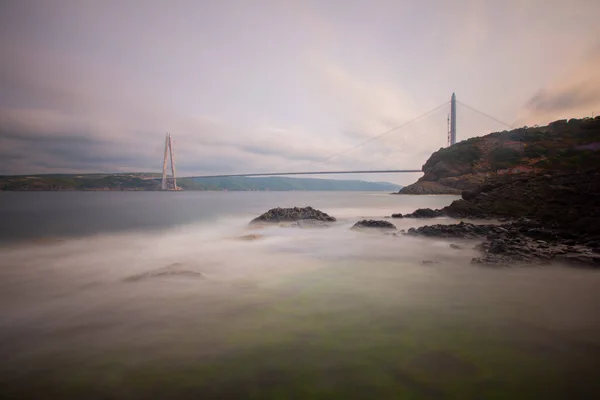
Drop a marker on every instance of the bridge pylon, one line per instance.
(169, 182)
(452, 120)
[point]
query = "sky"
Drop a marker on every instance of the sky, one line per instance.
(276, 85)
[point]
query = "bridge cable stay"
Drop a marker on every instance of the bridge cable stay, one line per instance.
(391, 149)
(466, 131)
(445, 104)
(398, 142)
(395, 143)
(485, 114)
(353, 168)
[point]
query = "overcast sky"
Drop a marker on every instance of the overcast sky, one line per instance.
(253, 85)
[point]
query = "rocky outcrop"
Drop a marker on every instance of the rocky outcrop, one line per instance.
(371, 223)
(455, 231)
(277, 215)
(523, 242)
(564, 200)
(425, 213)
(424, 187)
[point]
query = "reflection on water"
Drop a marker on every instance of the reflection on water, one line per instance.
(213, 309)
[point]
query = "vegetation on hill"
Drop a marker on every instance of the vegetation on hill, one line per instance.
(560, 146)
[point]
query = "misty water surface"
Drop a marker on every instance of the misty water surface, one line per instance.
(151, 295)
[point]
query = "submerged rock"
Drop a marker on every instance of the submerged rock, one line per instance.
(251, 236)
(292, 215)
(371, 223)
(173, 270)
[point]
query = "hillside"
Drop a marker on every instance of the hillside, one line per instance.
(283, 184)
(560, 146)
(149, 182)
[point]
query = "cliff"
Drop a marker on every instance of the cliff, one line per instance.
(560, 146)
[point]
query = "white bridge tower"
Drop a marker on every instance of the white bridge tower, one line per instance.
(169, 182)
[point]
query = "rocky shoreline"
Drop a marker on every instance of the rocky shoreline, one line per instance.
(538, 219)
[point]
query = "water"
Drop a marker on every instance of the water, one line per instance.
(171, 295)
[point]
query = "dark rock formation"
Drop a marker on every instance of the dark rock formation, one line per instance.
(292, 214)
(464, 209)
(429, 188)
(566, 200)
(522, 242)
(461, 231)
(371, 223)
(397, 215)
(425, 213)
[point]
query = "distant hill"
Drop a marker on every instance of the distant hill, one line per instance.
(283, 184)
(561, 146)
(148, 182)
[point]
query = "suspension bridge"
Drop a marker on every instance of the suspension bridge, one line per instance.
(381, 154)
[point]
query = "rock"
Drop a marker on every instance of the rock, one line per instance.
(310, 224)
(463, 209)
(371, 223)
(397, 215)
(429, 262)
(425, 213)
(517, 243)
(422, 187)
(276, 215)
(250, 237)
(455, 246)
(462, 230)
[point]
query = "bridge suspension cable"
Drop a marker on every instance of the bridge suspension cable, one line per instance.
(387, 132)
(385, 152)
(484, 114)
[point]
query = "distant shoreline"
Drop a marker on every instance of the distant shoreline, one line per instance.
(145, 183)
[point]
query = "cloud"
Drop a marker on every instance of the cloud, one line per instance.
(273, 85)
(366, 106)
(576, 94)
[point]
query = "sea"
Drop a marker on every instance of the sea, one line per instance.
(172, 295)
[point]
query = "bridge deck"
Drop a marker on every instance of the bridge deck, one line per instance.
(383, 171)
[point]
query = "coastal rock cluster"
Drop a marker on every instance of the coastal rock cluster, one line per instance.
(519, 242)
(534, 219)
